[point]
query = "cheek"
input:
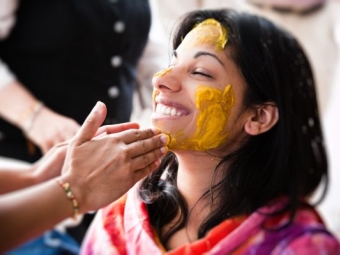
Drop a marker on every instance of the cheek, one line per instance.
(214, 108)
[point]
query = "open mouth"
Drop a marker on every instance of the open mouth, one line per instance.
(170, 110)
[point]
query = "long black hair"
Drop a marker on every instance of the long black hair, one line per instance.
(288, 160)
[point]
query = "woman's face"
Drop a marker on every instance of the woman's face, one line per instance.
(197, 100)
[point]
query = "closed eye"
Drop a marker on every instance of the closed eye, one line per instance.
(203, 74)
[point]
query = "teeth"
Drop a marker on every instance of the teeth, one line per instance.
(165, 110)
(173, 112)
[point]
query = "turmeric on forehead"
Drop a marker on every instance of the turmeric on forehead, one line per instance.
(210, 31)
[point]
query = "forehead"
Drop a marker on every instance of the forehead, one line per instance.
(210, 38)
(208, 32)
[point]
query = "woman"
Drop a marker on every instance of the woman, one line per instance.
(238, 101)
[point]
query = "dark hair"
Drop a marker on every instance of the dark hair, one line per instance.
(288, 160)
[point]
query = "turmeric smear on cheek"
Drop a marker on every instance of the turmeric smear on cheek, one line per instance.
(214, 108)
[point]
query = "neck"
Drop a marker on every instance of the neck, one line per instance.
(194, 178)
(195, 173)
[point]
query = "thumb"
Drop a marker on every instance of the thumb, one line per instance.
(91, 124)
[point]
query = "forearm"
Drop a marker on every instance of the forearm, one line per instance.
(16, 102)
(15, 179)
(45, 205)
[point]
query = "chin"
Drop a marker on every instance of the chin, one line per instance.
(166, 125)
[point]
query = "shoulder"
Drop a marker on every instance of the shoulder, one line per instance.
(313, 243)
(307, 235)
(115, 218)
(115, 208)
(304, 234)
(106, 232)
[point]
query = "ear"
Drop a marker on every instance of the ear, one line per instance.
(262, 119)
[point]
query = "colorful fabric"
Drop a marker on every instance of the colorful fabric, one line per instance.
(124, 228)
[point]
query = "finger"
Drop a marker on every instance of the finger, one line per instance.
(134, 135)
(45, 147)
(62, 144)
(99, 136)
(146, 159)
(110, 129)
(91, 124)
(144, 146)
(141, 173)
(57, 146)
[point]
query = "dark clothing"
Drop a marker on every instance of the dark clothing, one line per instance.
(72, 53)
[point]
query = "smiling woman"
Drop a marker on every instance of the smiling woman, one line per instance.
(246, 150)
(201, 66)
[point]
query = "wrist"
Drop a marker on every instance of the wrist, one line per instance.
(37, 175)
(74, 203)
(29, 116)
(34, 176)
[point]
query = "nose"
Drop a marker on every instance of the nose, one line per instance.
(167, 80)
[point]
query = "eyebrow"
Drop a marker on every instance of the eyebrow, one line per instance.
(201, 53)
(205, 53)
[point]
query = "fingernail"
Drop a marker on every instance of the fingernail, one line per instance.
(155, 131)
(164, 150)
(98, 106)
(165, 139)
(157, 162)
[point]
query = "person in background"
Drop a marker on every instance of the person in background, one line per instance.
(246, 149)
(60, 57)
(95, 170)
(303, 7)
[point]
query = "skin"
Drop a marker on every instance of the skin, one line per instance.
(101, 164)
(48, 128)
(199, 69)
(210, 31)
(214, 107)
(213, 103)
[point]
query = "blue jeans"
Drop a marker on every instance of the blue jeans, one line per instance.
(52, 242)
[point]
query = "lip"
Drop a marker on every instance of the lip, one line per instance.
(171, 103)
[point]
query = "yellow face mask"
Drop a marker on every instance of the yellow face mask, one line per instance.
(210, 32)
(214, 105)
